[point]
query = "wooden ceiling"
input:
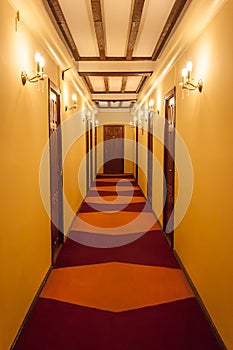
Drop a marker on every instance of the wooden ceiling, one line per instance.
(115, 43)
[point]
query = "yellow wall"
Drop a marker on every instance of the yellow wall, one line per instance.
(25, 254)
(204, 240)
(74, 144)
(25, 237)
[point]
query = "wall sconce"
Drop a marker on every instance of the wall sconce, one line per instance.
(74, 105)
(39, 73)
(151, 104)
(135, 122)
(187, 81)
(87, 116)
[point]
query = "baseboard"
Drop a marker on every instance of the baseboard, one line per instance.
(31, 308)
(201, 303)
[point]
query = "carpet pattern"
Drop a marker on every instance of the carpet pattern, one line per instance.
(116, 283)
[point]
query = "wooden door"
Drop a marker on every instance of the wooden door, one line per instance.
(87, 157)
(169, 166)
(149, 156)
(56, 190)
(136, 156)
(114, 149)
(96, 137)
(91, 152)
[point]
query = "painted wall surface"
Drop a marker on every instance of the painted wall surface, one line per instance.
(74, 151)
(25, 237)
(203, 240)
(25, 241)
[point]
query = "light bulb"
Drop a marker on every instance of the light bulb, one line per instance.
(37, 57)
(74, 98)
(151, 103)
(41, 62)
(189, 66)
(184, 72)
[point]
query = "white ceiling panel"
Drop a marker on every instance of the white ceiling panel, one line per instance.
(79, 18)
(115, 104)
(115, 83)
(116, 15)
(154, 17)
(97, 83)
(132, 83)
(103, 104)
(125, 104)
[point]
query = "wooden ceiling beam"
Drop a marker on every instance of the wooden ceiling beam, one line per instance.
(89, 84)
(63, 27)
(109, 59)
(123, 85)
(134, 28)
(99, 28)
(140, 85)
(115, 74)
(106, 84)
(173, 19)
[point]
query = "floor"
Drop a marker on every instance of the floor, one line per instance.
(116, 283)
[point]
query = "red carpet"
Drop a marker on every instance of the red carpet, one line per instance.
(102, 296)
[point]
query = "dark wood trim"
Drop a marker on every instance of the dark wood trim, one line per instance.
(113, 92)
(134, 27)
(201, 303)
(31, 308)
(115, 74)
(170, 94)
(91, 151)
(104, 100)
(136, 153)
(123, 84)
(110, 58)
(52, 87)
(87, 157)
(62, 25)
(172, 20)
(141, 84)
(106, 84)
(95, 147)
(89, 84)
(150, 157)
(99, 28)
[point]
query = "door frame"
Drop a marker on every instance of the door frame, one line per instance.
(53, 88)
(149, 156)
(136, 153)
(87, 157)
(167, 157)
(91, 151)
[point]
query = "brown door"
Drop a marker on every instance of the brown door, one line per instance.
(56, 198)
(136, 151)
(149, 156)
(96, 136)
(114, 149)
(169, 166)
(91, 152)
(87, 157)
